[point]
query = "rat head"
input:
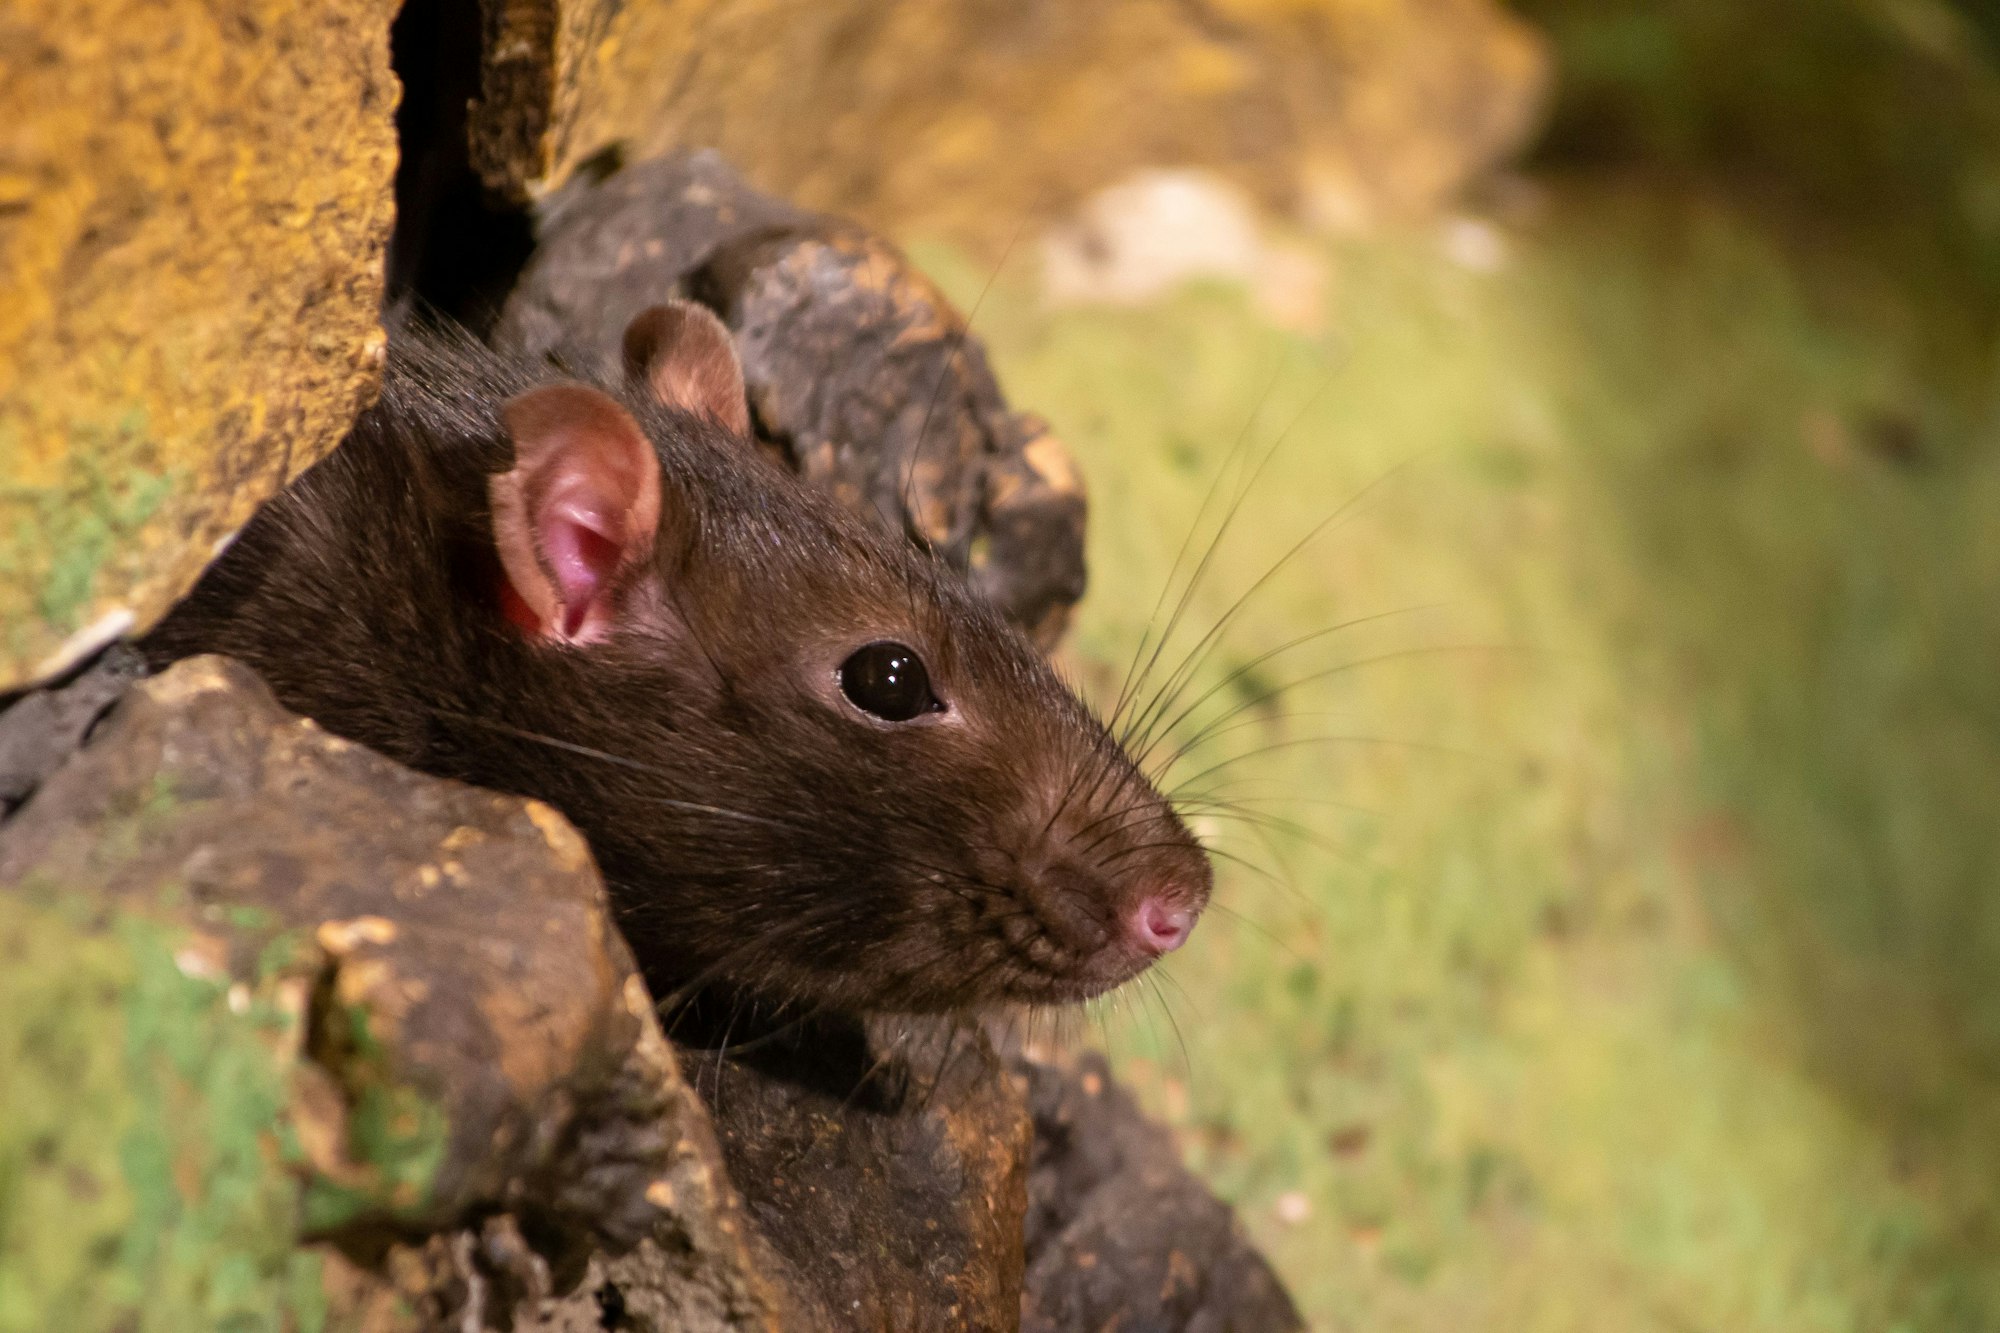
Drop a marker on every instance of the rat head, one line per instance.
(812, 765)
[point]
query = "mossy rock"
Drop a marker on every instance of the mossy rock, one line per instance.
(143, 1170)
(194, 207)
(279, 1020)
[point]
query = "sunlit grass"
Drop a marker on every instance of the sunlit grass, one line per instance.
(1530, 1014)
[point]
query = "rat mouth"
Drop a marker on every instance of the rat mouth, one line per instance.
(1046, 975)
(1041, 984)
(1074, 933)
(1040, 987)
(1062, 929)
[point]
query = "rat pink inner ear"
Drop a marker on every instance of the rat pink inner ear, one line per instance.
(579, 510)
(683, 354)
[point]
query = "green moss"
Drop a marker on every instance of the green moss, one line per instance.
(1653, 986)
(306, 1295)
(141, 1183)
(396, 1137)
(150, 1176)
(61, 534)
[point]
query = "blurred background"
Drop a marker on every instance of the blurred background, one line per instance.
(1544, 460)
(1608, 933)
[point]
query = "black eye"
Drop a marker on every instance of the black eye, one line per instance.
(888, 680)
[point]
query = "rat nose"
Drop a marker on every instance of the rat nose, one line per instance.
(1160, 927)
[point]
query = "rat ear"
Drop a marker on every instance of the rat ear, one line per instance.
(682, 352)
(580, 508)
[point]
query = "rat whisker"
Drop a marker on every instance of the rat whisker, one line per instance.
(1219, 798)
(1277, 882)
(1275, 824)
(875, 1068)
(1145, 1010)
(1214, 804)
(1132, 820)
(1135, 850)
(1115, 763)
(1211, 732)
(1104, 753)
(1160, 972)
(1146, 749)
(959, 336)
(1151, 981)
(1103, 1027)
(1214, 851)
(1214, 732)
(1139, 805)
(1342, 668)
(1222, 529)
(1129, 686)
(1176, 680)
(1258, 752)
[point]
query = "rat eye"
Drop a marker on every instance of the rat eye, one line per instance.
(888, 680)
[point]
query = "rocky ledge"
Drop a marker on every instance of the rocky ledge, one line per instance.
(300, 1039)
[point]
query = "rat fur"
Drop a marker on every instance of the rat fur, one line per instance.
(757, 831)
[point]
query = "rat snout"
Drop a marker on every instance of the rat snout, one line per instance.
(1084, 932)
(1115, 882)
(1158, 925)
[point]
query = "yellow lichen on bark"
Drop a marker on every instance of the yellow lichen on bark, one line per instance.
(195, 199)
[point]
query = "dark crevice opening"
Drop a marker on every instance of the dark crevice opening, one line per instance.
(457, 247)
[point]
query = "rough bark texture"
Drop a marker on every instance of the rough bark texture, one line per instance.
(1119, 1234)
(887, 1165)
(967, 116)
(194, 206)
(861, 375)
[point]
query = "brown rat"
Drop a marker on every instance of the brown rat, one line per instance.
(813, 767)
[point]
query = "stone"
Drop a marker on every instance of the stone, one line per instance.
(969, 118)
(41, 729)
(861, 374)
(1119, 1233)
(385, 1025)
(195, 199)
(882, 1166)
(886, 1162)
(1136, 240)
(351, 1016)
(418, 1076)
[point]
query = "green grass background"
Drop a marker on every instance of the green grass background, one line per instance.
(1620, 944)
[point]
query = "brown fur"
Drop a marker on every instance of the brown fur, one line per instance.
(757, 832)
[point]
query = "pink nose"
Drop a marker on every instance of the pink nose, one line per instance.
(1158, 927)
